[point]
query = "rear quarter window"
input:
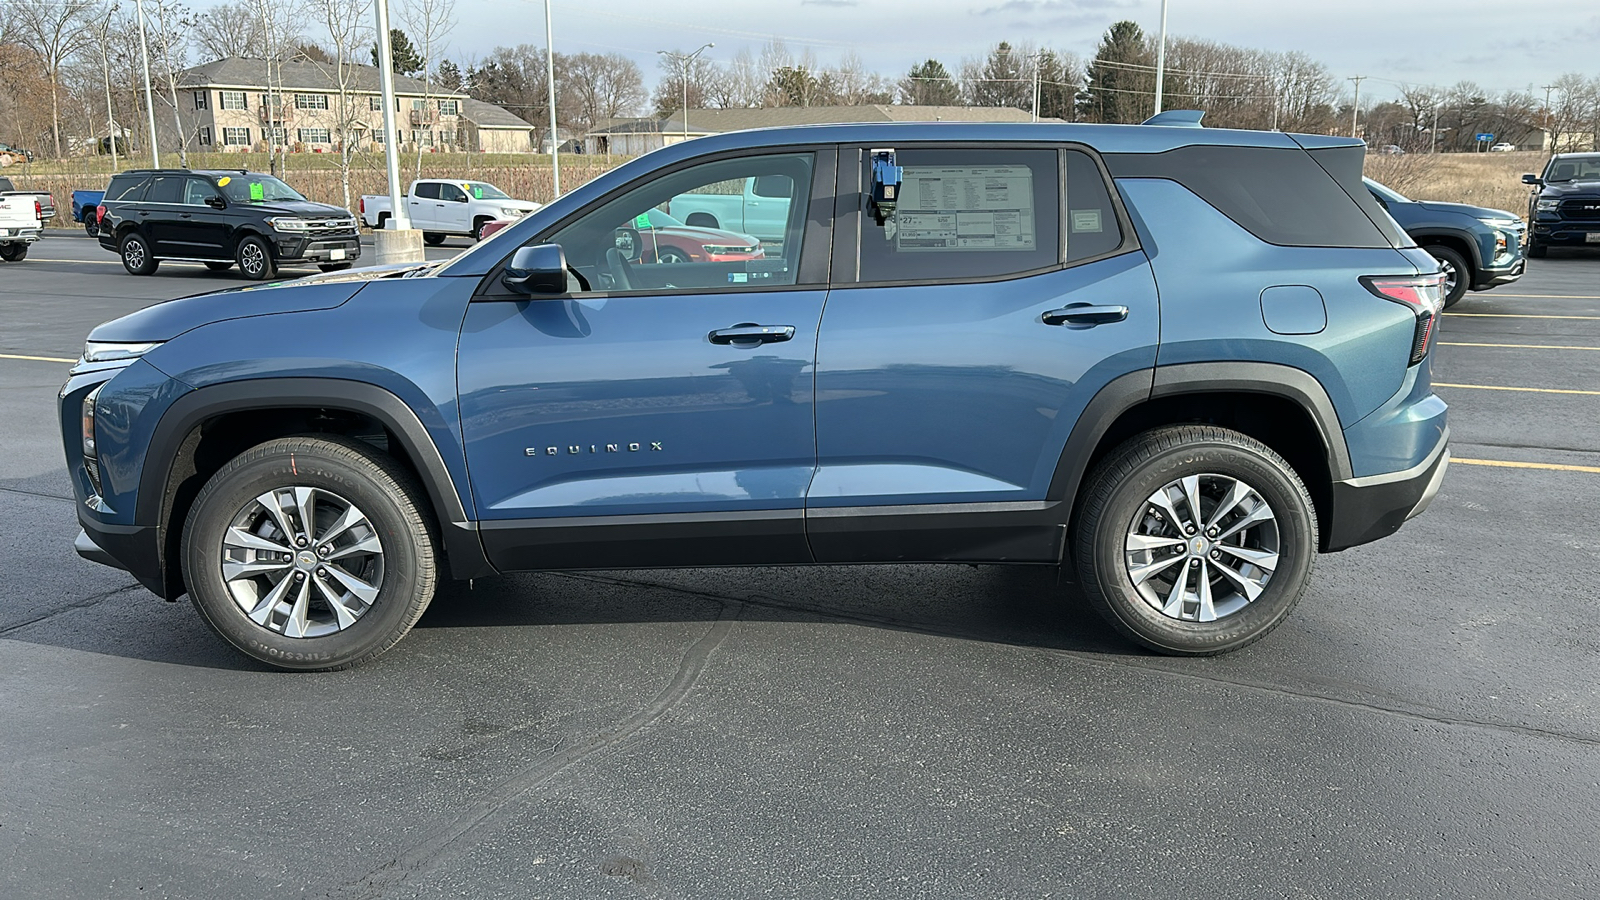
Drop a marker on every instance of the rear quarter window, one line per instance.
(126, 187)
(1281, 196)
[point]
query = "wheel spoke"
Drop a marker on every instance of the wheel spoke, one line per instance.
(1141, 574)
(233, 571)
(1236, 494)
(345, 615)
(368, 544)
(280, 516)
(1152, 542)
(262, 610)
(296, 624)
(350, 517)
(1246, 586)
(248, 540)
(1262, 513)
(305, 503)
(1164, 503)
(1261, 559)
(1207, 611)
(366, 592)
(1191, 496)
(1175, 597)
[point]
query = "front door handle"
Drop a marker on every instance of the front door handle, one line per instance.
(1085, 314)
(752, 334)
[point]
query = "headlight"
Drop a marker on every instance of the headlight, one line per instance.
(284, 223)
(1501, 222)
(513, 213)
(88, 420)
(102, 351)
(1548, 205)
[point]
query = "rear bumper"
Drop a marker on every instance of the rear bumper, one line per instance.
(19, 235)
(1373, 507)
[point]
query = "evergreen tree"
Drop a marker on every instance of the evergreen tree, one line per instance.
(1119, 85)
(929, 84)
(1058, 87)
(1004, 80)
(407, 61)
(793, 86)
(449, 76)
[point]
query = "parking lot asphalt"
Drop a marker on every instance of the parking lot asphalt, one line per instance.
(1427, 723)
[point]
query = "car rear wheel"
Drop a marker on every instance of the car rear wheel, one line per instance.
(136, 256)
(15, 252)
(477, 227)
(1457, 274)
(432, 238)
(312, 552)
(255, 259)
(91, 227)
(1194, 540)
(702, 220)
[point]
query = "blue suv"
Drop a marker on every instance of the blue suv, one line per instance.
(1177, 362)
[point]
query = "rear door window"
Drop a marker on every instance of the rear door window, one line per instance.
(126, 187)
(966, 214)
(428, 190)
(165, 189)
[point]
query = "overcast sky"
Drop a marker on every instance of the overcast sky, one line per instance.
(1500, 44)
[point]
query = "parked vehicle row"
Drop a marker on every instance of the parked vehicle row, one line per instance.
(993, 378)
(441, 207)
(1564, 207)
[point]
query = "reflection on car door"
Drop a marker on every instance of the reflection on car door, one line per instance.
(597, 418)
(947, 383)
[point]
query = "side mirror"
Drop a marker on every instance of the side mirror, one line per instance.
(629, 244)
(216, 202)
(540, 269)
(463, 199)
(1532, 179)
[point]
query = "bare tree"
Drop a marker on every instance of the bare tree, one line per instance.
(171, 54)
(232, 29)
(430, 22)
(54, 30)
(599, 86)
(348, 32)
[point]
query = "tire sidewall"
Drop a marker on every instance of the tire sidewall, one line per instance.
(1297, 548)
(266, 269)
(269, 467)
(133, 237)
(1463, 272)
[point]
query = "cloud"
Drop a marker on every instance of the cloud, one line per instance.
(1077, 10)
(833, 3)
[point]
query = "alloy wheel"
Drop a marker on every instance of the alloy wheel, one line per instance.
(1202, 547)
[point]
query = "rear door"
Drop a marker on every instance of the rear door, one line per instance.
(422, 205)
(161, 215)
(962, 339)
(656, 414)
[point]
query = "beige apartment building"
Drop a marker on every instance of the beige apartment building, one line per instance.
(234, 106)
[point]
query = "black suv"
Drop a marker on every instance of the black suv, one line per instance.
(1564, 210)
(221, 218)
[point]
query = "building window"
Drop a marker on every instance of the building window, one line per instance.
(375, 104)
(447, 138)
(234, 100)
(314, 136)
(205, 135)
(279, 136)
(310, 101)
(449, 107)
(377, 136)
(419, 103)
(236, 137)
(199, 99)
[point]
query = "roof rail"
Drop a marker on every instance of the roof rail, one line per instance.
(1177, 118)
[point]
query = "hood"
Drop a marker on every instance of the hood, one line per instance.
(715, 236)
(1588, 186)
(165, 321)
(302, 208)
(1477, 212)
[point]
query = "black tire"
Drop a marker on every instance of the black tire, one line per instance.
(136, 254)
(333, 267)
(1458, 273)
(219, 266)
(432, 238)
(1116, 500)
(386, 495)
(672, 255)
(91, 226)
(254, 257)
(383, 220)
(702, 220)
(14, 252)
(477, 228)
(1537, 250)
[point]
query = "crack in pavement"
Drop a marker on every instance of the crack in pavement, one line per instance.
(41, 494)
(496, 807)
(79, 604)
(1409, 711)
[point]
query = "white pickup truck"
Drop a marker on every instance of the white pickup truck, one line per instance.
(440, 207)
(758, 206)
(20, 225)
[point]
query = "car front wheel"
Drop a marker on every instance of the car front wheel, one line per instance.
(1457, 274)
(1194, 540)
(255, 259)
(312, 552)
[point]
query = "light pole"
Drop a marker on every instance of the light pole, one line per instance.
(149, 101)
(1355, 104)
(550, 79)
(399, 216)
(1161, 55)
(683, 75)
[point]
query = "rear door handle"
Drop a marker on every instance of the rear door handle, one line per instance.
(1085, 314)
(752, 334)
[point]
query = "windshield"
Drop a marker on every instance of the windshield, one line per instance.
(1385, 193)
(481, 191)
(658, 219)
(1574, 168)
(253, 188)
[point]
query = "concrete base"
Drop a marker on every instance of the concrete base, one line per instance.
(397, 246)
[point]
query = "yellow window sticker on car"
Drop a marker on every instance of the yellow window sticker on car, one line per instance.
(223, 181)
(257, 192)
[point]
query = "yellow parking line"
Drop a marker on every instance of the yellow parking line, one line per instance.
(1511, 464)
(1515, 316)
(1495, 387)
(37, 358)
(1550, 296)
(1518, 346)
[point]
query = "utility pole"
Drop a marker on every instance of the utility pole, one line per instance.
(683, 74)
(1161, 55)
(1037, 59)
(149, 100)
(1434, 147)
(1355, 105)
(111, 111)
(550, 79)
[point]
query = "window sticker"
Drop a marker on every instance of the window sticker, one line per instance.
(641, 221)
(475, 190)
(223, 181)
(257, 192)
(984, 208)
(1086, 220)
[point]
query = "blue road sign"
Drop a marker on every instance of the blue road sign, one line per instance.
(1485, 136)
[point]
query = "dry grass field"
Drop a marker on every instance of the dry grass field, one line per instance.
(1483, 179)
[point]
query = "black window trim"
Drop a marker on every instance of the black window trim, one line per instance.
(850, 212)
(816, 238)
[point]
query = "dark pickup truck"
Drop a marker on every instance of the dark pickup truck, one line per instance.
(1564, 208)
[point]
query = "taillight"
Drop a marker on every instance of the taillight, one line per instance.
(38, 211)
(100, 213)
(362, 206)
(1422, 294)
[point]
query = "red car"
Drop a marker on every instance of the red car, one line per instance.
(667, 240)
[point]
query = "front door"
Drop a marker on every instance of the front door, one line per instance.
(453, 213)
(656, 414)
(987, 311)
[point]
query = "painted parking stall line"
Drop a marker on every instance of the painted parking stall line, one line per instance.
(53, 359)
(1499, 387)
(1516, 464)
(1517, 346)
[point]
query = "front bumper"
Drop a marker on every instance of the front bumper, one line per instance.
(1558, 233)
(344, 248)
(1491, 278)
(1373, 507)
